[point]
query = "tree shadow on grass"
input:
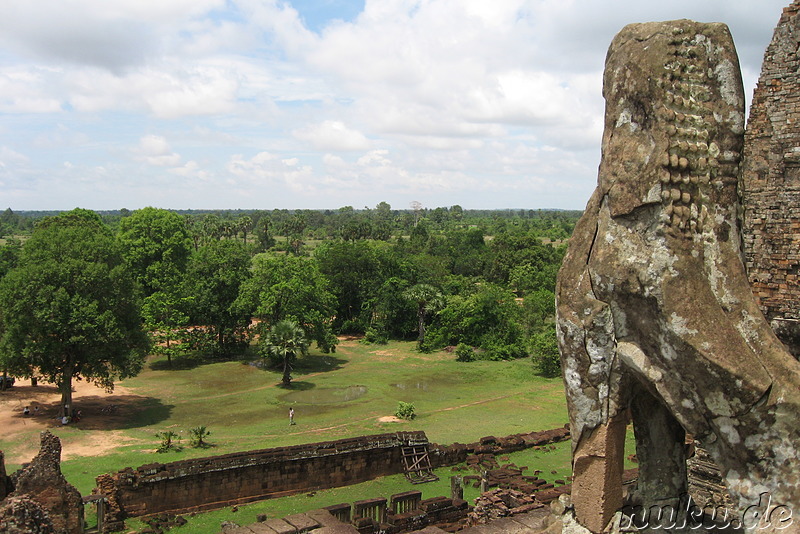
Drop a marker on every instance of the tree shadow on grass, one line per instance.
(318, 364)
(185, 362)
(112, 412)
(297, 385)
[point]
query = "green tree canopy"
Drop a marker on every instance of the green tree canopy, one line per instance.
(427, 299)
(356, 270)
(157, 246)
(69, 308)
(293, 288)
(214, 277)
(488, 319)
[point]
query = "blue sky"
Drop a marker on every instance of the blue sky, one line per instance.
(317, 103)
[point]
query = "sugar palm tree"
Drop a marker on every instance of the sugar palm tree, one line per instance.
(285, 341)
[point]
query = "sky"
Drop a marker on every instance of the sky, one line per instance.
(318, 104)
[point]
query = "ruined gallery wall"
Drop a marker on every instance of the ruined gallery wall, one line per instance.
(217, 481)
(771, 183)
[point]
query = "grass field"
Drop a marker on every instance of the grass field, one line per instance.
(334, 396)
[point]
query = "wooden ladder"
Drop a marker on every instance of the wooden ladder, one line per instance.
(416, 460)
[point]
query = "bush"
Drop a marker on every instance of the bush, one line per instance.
(464, 353)
(405, 410)
(545, 352)
(500, 351)
(169, 441)
(198, 436)
(352, 326)
(376, 335)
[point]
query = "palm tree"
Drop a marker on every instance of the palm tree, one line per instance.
(243, 224)
(284, 341)
(428, 299)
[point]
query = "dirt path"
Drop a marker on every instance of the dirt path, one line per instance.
(16, 439)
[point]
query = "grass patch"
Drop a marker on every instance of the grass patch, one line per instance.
(243, 406)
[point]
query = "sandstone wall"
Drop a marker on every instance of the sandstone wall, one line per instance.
(771, 183)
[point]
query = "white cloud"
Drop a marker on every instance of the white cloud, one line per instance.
(487, 104)
(23, 90)
(113, 35)
(10, 158)
(155, 150)
(332, 135)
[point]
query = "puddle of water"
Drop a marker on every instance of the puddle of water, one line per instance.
(325, 395)
(426, 385)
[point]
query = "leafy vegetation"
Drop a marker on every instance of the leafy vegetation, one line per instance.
(198, 436)
(405, 410)
(170, 441)
(209, 282)
(283, 343)
(70, 308)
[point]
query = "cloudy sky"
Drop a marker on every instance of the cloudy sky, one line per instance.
(265, 104)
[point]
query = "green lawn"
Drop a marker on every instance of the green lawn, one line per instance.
(334, 396)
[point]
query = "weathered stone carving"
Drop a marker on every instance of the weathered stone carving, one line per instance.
(771, 183)
(42, 481)
(655, 315)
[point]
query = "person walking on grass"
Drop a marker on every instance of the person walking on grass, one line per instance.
(291, 416)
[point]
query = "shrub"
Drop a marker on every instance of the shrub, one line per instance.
(169, 441)
(464, 353)
(352, 326)
(545, 352)
(376, 335)
(500, 351)
(405, 410)
(198, 436)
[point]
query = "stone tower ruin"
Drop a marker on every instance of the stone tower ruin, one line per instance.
(657, 319)
(771, 183)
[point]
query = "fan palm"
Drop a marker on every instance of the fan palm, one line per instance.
(284, 342)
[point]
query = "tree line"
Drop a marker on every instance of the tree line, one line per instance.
(87, 295)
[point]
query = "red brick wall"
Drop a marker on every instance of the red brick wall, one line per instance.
(771, 183)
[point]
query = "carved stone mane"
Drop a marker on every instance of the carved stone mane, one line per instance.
(656, 318)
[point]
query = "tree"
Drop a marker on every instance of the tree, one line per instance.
(70, 307)
(356, 271)
(165, 318)
(264, 233)
(428, 299)
(489, 319)
(244, 224)
(293, 230)
(9, 255)
(215, 274)
(291, 287)
(545, 352)
(157, 246)
(211, 228)
(419, 235)
(284, 342)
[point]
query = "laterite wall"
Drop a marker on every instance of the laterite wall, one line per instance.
(242, 477)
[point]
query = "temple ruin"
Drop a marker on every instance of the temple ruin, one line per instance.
(678, 277)
(657, 319)
(771, 183)
(39, 498)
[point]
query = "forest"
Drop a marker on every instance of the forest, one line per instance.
(87, 295)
